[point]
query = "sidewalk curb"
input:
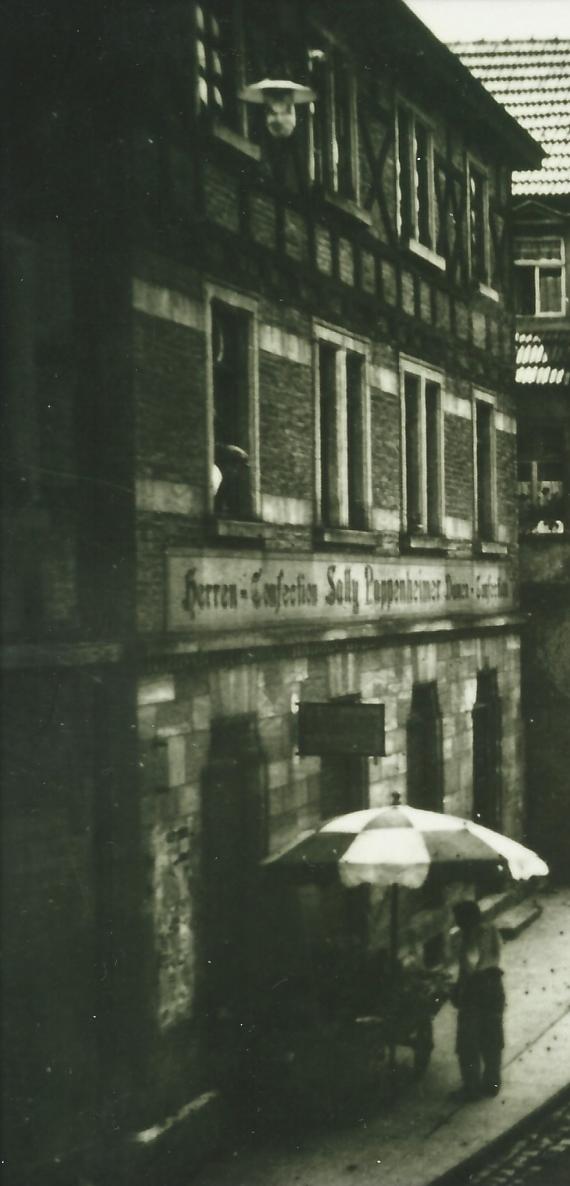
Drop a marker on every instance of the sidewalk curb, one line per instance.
(459, 1174)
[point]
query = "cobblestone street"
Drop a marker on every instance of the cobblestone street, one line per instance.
(540, 1155)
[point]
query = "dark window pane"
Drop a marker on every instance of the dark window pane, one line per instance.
(230, 339)
(432, 456)
(524, 290)
(355, 441)
(344, 132)
(484, 505)
(425, 749)
(413, 471)
(404, 173)
(477, 225)
(550, 286)
(423, 184)
(327, 381)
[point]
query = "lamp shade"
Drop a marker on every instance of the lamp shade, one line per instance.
(271, 88)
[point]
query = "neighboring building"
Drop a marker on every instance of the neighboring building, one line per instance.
(532, 79)
(260, 452)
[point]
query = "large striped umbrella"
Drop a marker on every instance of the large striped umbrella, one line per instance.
(399, 846)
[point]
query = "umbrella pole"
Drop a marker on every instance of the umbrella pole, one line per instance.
(394, 904)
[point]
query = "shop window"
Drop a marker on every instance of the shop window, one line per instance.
(541, 485)
(539, 276)
(487, 751)
(416, 180)
(334, 126)
(425, 749)
(344, 434)
(479, 232)
(423, 452)
(218, 32)
(234, 408)
(485, 469)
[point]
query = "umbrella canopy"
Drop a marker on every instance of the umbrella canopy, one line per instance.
(399, 845)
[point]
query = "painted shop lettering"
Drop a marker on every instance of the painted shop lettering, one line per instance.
(207, 596)
(342, 590)
(404, 591)
(280, 594)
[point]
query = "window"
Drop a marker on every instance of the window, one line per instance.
(219, 62)
(425, 749)
(485, 469)
(234, 471)
(343, 479)
(539, 276)
(334, 134)
(416, 185)
(423, 452)
(541, 472)
(479, 236)
(487, 751)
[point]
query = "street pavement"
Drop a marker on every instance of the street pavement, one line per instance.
(539, 1155)
(422, 1133)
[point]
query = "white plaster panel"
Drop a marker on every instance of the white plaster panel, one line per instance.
(383, 378)
(298, 511)
(175, 498)
(455, 528)
(155, 689)
(167, 304)
(457, 407)
(275, 340)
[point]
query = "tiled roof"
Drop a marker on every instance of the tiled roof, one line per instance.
(532, 80)
(543, 358)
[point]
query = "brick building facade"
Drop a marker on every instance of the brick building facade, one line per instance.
(532, 79)
(260, 452)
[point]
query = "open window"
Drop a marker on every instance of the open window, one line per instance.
(219, 61)
(479, 233)
(343, 419)
(417, 211)
(234, 476)
(539, 276)
(422, 451)
(334, 124)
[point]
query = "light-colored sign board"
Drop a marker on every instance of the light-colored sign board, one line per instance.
(221, 591)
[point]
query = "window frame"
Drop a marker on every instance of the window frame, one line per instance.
(343, 345)
(250, 307)
(425, 374)
(412, 241)
(536, 265)
(487, 400)
(328, 56)
(473, 165)
(235, 132)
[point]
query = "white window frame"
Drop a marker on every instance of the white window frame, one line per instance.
(343, 344)
(426, 374)
(479, 396)
(426, 251)
(248, 305)
(474, 165)
(543, 262)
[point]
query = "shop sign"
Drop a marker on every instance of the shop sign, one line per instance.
(219, 591)
(330, 728)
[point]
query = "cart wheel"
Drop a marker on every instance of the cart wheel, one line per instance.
(423, 1047)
